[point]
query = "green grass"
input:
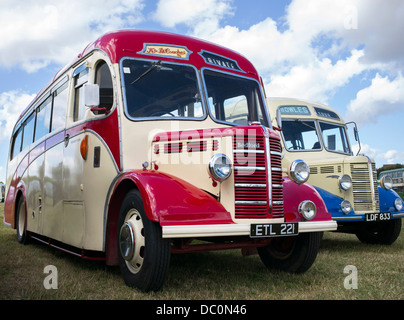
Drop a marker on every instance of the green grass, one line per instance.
(209, 275)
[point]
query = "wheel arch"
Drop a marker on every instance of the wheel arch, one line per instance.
(20, 193)
(167, 200)
(122, 188)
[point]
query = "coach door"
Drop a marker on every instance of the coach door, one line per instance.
(73, 175)
(52, 199)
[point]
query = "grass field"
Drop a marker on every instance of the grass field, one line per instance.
(223, 275)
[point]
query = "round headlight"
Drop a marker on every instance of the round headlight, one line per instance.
(346, 206)
(307, 209)
(398, 204)
(345, 182)
(220, 167)
(386, 182)
(299, 171)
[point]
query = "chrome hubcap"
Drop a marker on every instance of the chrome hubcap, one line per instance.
(132, 241)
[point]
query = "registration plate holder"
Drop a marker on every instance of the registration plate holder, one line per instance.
(260, 230)
(376, 217)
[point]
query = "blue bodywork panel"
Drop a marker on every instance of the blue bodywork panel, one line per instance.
(386, 199)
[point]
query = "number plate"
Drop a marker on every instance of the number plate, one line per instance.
(274, 230)
(382, 216)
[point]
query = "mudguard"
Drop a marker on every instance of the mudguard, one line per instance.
(387, 198)
(294, 194)
(173, 201)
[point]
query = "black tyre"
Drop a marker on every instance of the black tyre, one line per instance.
(291, 254)
(21, 222)
(385, 232)
(144, 256)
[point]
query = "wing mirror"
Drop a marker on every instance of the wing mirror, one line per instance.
(92, 98)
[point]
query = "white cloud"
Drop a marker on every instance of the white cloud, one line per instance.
(380, 156)
(317, 80)
(394, 156)
(201, 16)
(325, 44)
(366, 150)
(382, 97)
(11, 105)
(34, 34)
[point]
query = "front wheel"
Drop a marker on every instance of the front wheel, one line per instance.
(144, 256)
(291, 254)
(383, 232)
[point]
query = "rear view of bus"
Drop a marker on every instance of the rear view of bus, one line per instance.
(348, 183)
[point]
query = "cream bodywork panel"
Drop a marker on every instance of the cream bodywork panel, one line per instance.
(325, 166)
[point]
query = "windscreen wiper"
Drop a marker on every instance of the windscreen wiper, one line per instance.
(152, 67)
(305, 124)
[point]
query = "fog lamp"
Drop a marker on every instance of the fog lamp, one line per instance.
(398, 204)
(307, 209)
(346, 206)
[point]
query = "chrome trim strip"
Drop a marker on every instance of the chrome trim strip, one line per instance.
(249, 168)
(250, 185)
(348, 218)
(398, 215)
(268, 160)
(251, 203)
(247, 151)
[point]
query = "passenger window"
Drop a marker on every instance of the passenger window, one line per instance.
(17, 143)
(43, 119)
(80, 78)
(59, 106)
(104, 80)
(28, 134)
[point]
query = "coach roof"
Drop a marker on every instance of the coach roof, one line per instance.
(131, 43)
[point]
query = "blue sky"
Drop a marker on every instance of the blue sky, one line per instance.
(346, 53)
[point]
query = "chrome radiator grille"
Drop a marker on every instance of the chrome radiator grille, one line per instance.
(253, 198)
(365, 192)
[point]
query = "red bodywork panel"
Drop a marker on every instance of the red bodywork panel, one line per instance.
(294, 194)
(173, 201)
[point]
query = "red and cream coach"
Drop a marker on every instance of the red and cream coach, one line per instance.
(148, 141)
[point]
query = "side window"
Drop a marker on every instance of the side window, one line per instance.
(104, 80)
(28, 135)
(80, 78)
(59, 106)
(17, 143)
(43, 119)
